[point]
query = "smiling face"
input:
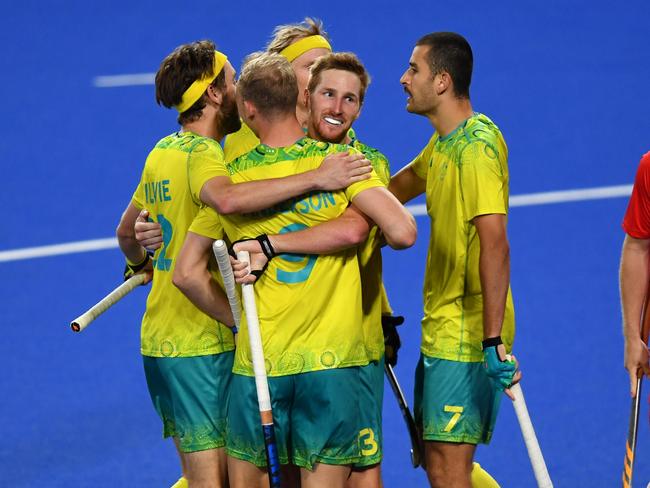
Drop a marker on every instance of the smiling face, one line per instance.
(334, 104)
(419, 83)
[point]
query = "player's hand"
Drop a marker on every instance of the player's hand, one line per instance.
(502, 368)
(636, 361)
(145, 268)
(148, 234)
(340, 170)
(392, 341)
(242, 269)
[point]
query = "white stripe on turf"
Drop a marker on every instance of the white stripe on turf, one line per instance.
(417, 210)
(545, 198)
(113, 81)
(57, 249)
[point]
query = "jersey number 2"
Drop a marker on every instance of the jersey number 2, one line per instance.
(162, 263)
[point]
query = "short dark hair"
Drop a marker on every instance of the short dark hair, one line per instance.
(341, 61)
(452, 53)
(186, 64)
(268, 82)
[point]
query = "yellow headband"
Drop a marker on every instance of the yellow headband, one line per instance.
(303, 45)
(196, 89)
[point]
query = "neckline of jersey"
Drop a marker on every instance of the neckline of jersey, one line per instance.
(458, 128)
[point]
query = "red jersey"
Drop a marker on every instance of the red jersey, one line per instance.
(637, 218)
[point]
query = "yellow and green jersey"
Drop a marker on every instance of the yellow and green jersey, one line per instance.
(169, 188)
(244, 140)
(239, 143)
(374, 298)
(466, 175)
(309, 306)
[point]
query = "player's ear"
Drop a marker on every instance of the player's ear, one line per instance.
(442, 82)
(306, 98)
(249, 109)
(214, 95)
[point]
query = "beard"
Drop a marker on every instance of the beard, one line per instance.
(229, 117)
(333, 137)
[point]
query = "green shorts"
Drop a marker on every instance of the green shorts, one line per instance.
(371, 399)
(455, 401)
(191, 397)
(315, 415)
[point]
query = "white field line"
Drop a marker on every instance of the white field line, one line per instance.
(113, 81)
(553, 197)
(417, 210)
(57, 249)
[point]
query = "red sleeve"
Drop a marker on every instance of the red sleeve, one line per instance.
(637, 217)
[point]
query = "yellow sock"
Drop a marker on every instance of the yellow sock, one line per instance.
(481, 478)
(182, 482)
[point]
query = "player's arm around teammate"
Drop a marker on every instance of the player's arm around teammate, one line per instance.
(634, 273)
(193, 278)
(338, 171)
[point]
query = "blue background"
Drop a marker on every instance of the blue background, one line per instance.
(567, 82)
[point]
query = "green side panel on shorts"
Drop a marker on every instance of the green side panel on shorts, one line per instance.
(371, 399)
(190, 395)
(455, 401)
(315, 416)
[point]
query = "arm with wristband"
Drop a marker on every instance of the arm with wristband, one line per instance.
(192, 277)
(137, 258)
(494, 270)
(373, 205)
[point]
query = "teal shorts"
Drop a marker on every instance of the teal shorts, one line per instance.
(315, 415)
(371, 399)
(455, 401)
(191, 397)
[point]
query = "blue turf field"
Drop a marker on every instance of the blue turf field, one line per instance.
(567, 82)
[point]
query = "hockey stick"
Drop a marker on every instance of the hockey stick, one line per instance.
(416, 454)
(527, 430)
(630, 445)
(86, 318)
(261, 382)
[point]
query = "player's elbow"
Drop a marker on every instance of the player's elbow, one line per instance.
(356, 234)
(404, 235)
(225, 205)
(220, 197)
(124, 232)
(183, 278)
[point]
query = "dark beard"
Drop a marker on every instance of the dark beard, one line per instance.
(229, 120)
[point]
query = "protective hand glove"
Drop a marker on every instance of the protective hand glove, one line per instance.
(392, 341)
(498, 366)
(133, 269)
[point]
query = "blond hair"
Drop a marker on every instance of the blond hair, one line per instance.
(285, 35)
(269, 83)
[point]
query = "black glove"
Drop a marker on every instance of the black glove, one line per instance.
(267, 249)
(392, 342)
(132, 269)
